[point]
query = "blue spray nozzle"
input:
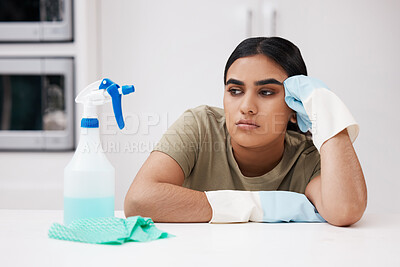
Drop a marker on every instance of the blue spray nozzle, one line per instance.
(112, 89)
(127, 89)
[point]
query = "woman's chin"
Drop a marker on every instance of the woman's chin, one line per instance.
(254, 140)
(248, 141)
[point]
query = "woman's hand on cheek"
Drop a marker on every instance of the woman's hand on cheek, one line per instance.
(297, 89)
(318, 108)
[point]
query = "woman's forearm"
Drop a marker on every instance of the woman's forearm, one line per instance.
(165, 202)
(343, 188)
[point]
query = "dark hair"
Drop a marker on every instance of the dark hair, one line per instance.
(282, 51)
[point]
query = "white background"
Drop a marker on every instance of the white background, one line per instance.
(174, 53)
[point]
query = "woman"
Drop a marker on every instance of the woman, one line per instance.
(253, 144)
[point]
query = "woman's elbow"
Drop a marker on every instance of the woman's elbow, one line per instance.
(132, 204)
(346, 217)
(129, 207)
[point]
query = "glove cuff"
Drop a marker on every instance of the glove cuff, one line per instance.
(229, 206)
(329, 116)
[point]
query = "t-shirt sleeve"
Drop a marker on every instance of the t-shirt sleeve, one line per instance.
(314, 161)
(181, 141)
(317, 170)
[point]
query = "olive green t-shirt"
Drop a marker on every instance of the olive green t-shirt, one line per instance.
(200, 143)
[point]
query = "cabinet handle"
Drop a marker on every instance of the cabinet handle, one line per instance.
(268, 19)
(261, 20)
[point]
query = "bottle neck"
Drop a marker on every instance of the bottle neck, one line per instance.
(89, 111)
(90, 134)
(89, 141)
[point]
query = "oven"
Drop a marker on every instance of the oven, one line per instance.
(35, 20)
(36, 103)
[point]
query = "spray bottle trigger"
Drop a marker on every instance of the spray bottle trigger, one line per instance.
(116, 103)
(105, 83)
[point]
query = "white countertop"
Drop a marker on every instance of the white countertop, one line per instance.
(373, 241)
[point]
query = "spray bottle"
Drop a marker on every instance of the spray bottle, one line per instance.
(89, 178)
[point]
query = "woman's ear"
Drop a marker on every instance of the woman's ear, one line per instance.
(293, 117)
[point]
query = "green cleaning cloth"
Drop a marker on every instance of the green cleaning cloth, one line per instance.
(108, 230)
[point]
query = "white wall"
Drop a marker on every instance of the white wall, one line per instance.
(353, 46)
(174, 53)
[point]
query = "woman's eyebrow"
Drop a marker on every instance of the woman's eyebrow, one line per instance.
(257, 83)
(234, 81)
(267, 81)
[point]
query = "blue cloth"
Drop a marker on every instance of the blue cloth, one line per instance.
(297, 89)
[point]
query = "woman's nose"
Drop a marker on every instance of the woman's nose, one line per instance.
(248, 105)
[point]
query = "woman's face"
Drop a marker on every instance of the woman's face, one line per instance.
(254, 94)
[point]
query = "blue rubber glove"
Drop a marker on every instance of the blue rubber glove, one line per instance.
(318, 108)
(285, 206)
(297, 89)
(261, 206)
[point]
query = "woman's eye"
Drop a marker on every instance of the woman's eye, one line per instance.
(234, 91)
(266, 92)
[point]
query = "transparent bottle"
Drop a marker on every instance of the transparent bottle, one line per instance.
(89, 178)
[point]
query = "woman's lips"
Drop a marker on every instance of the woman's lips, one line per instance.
(247, 125)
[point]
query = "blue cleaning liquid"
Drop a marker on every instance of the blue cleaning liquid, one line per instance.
(79, 208)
